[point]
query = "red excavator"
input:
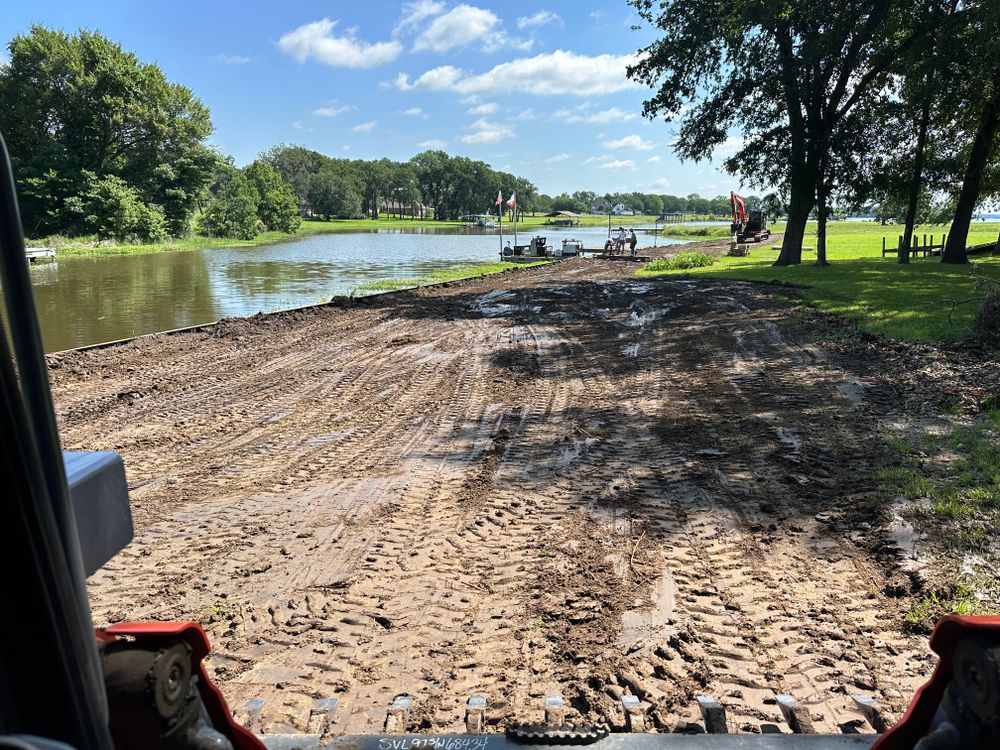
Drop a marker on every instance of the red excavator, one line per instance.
(143, 686)
(748, 227)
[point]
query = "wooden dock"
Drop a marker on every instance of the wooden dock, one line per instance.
(34, 254)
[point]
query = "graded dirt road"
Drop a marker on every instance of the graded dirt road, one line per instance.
(558, 480)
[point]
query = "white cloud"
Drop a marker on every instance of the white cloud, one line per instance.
(557, 157)
(484, 109)
(316, 42)
(540, 18)
(654, 159)
(416, 12)
(224, 59)
(432, 143)
(630, 141)
(600, 117)
(444, 78)
(660, 183)
(297, 125)
(528, 114)
(484, 131)
(459, 26)
(365, 127)
(549, 74)
(729, 147)
(503, 41)
(618, 164)
(415, 112)
(333, 110)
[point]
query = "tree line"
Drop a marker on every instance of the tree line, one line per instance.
(104, 144)
(650, 204)
(884, 102)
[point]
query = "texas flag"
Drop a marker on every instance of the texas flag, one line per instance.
(499, 198)
(513, 201)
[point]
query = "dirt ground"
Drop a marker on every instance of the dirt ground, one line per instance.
(556, 480)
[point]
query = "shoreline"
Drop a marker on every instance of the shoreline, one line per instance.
(81, 247)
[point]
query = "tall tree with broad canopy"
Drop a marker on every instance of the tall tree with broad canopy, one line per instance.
(74, 107)
(975, 51)
(785, 73)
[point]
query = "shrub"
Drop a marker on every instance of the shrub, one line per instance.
(277, 205)
(680, 261)
(233, 212)
(112, 209)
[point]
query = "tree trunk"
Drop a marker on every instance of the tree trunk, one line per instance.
(954, 251)
(803, 186)
(915, 183)
(821, 211)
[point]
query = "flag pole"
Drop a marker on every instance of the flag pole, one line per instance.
(500, 219)
(515, 222)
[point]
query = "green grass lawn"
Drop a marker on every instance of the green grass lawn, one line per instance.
(899, 301)
(442, 275)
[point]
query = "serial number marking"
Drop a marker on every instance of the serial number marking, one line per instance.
(433, 743)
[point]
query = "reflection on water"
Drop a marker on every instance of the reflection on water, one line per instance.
(87, 300)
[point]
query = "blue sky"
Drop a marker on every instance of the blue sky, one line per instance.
(534, 88)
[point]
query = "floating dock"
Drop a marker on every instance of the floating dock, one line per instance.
(34, 254)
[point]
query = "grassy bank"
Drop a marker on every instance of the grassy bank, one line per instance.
(76, 246)
(442, 275)
(909, 302)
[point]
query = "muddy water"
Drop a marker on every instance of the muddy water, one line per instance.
(87, 300)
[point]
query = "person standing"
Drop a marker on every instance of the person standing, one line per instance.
(620, 244)
(632, 241)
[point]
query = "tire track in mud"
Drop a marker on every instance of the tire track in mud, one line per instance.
(558, 481)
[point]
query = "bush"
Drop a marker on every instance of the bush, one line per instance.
(680, 262)
(277, 205)
(112, 209)
(233, 212)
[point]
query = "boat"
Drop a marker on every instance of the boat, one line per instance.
(532, 252)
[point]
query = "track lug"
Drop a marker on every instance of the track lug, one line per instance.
(872, 712)
(555, 711)
(475, 715)
(322, 715)
(796, 715)
(249, 715)
(635, 714)
(713, 714)
(397, 717)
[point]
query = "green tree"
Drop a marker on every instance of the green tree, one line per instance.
(112, 209)
(232, 212)
(977, 77)
(332, 195)
(297, 165)
(785, 74)
(277, 205)
(72, 105)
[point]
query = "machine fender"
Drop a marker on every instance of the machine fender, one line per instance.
(192, 634)
(917, 722)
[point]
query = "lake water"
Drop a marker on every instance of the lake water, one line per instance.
(88, 300)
